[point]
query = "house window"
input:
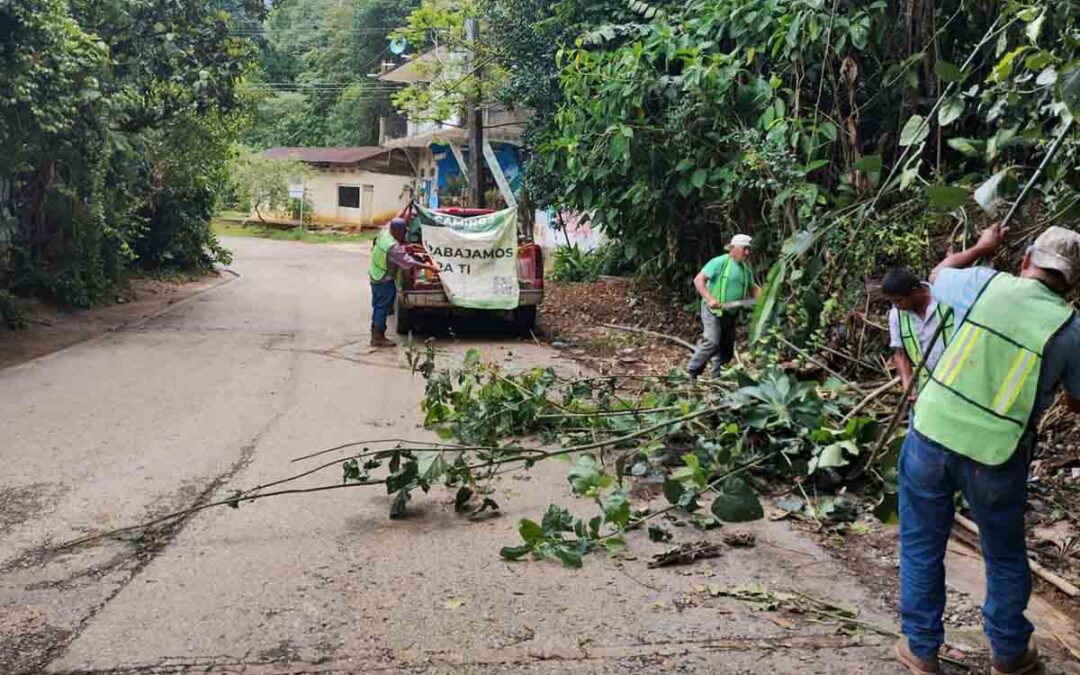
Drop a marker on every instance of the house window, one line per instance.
(348, 196)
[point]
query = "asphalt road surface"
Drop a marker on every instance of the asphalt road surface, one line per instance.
(221, 393)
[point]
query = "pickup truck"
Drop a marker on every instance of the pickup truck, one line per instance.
(420, 291)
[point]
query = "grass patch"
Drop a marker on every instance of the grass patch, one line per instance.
(229, 228)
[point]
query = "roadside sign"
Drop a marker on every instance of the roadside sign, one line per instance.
(296, 190)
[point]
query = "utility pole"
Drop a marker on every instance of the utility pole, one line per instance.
(476, 119)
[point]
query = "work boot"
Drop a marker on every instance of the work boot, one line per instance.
(914, 664)
(379, 339)
(1027, 663)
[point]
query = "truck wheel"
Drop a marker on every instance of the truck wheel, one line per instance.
(404, 321)
(524, 319)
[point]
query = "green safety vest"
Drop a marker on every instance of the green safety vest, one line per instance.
(725, 276)
(380, 255)
(980, 399)
(910, 335)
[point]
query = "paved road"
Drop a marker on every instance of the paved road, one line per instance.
(221, 393)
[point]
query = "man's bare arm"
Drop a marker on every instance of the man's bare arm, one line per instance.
(984, 248)
(903, 364)
(701, 283)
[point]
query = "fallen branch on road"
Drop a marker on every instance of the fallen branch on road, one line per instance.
(233, 502)
(644, 331)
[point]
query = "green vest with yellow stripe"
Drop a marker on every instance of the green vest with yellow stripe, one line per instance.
(380, 255)
(980, 399)
(723, 288)
(909, 334)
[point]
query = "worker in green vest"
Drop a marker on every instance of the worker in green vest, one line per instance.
(913, 321)
(1017, 344)
(724, 279)
(389, 253)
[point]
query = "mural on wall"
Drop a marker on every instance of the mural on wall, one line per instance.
(448, 188)
(567, 228)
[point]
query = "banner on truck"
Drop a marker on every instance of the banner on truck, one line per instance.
(476, 257)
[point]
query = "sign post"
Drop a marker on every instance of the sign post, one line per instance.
(297, 191)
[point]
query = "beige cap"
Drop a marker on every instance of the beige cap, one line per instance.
(1058, 249)
(741, 240)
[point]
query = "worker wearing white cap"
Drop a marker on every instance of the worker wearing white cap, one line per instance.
(1017, 345)
(724, 280)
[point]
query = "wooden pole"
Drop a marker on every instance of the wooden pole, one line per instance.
(476, 122)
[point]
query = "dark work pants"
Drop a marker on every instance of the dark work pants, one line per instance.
(718, 341)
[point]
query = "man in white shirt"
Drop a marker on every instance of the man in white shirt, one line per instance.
(913, 321)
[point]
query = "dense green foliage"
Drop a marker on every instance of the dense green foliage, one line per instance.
(313, 87)
(829, 126)
(117, 118)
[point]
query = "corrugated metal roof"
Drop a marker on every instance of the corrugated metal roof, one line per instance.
(328, 155)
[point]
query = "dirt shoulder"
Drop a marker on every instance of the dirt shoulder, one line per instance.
(573, 318)
(51, 328)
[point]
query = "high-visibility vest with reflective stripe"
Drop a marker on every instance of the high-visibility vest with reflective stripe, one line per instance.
(909, 334)
(380, 255)
(980, 399)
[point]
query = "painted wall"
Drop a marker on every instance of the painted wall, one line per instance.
(582, 232)
(387, 197)
(441, 176)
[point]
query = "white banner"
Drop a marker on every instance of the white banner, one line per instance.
(476, 257)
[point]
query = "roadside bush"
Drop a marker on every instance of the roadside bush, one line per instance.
(11, 314)
(574, 265)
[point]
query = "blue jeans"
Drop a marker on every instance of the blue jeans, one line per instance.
(383, 294)
(929, 477)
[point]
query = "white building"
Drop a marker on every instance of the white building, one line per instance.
(365, 185)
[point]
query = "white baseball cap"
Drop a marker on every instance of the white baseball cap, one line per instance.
(741, 240)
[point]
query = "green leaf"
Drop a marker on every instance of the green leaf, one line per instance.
(947, 196)
(1004, 68)
(397, 508)
(968, 147)
(659, 534)
(948, 72)
(1069, 88)
(869, 164)
(737, 502)
(766, 305)
(798, 243)
(915, 131)
(462, 498)
(673, 491)
(515, 552)
(832, 456)
(988, 195)
(556, 519)
(910, 173)
(685, 164)
(530, 531)
(698, 178)
(431, 466)
(1035, 27)
(888, 509)
(616, 508)
(585, 476)
(401, 478)
(951, 110)
(569, 557)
